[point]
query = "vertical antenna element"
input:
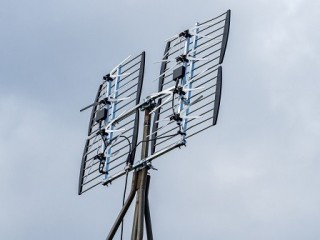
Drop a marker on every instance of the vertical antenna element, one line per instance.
(225, 36)
(157, 113)
(217, 96)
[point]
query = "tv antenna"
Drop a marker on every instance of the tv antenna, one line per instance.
(187, 103)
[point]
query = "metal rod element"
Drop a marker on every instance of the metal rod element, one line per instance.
(191, 73)
(147, 211)
(135, 218)
(141, 198)
(146, 133)
(143, 162)
(124, 208)
(113, 115)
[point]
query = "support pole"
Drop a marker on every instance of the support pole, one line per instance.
(138, 224)
(141, 198)
(147, 211)
(124, 208)
(135, 218)
(140, 185)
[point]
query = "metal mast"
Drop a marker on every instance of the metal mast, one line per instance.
(140, 188)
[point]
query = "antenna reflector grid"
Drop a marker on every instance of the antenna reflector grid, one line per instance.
(201, 52)
(108, 147)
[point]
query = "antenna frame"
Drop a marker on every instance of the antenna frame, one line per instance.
(152, 104)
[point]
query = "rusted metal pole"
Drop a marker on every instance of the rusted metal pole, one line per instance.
(136, 209)
(147, 212)
(146, 133)
(140, 185)
(141, 199)
(142, 180)
(124, 208)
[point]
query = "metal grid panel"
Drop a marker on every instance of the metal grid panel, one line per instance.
(108, 150)
(201, 51)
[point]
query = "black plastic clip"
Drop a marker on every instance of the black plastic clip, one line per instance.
(179, 90)
(105, 101)
(107, 77)
(182, 58)
(148, 105)
(185, 34)
(100, 156)
(176, 117)
(102, 132)
(102, 160)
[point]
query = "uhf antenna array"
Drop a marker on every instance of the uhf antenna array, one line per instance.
(187, 103)
(108, 149)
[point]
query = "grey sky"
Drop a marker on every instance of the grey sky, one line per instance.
(253, 176)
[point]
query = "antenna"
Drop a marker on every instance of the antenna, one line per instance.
(186, 104)
(109, 148)
(199, 52)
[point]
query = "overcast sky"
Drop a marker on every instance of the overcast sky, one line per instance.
(253, 176)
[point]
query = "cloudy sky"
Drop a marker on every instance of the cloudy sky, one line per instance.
(253, 176)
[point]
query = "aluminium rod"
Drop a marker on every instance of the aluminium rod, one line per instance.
(167, 131)
(91, 151)
(190, 75)
(96, 184)
(131, 60)
(125, 124)
(131, 80)
(143, 162)
(126, 153)
(203, 107)
(128, 83)
(199, 131)
(121, 148)
(207, 63)
(130, 67)
(212, 19)
(118, 165)
(206, 49)
(157, 144)
(213, 26)
(125, 104)
(121, 141)
(210, 79)
(92, 165)
(177, 50)
(89, 181)
(200, 93)
(201, 45)
(205, 120)
(209, 54)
